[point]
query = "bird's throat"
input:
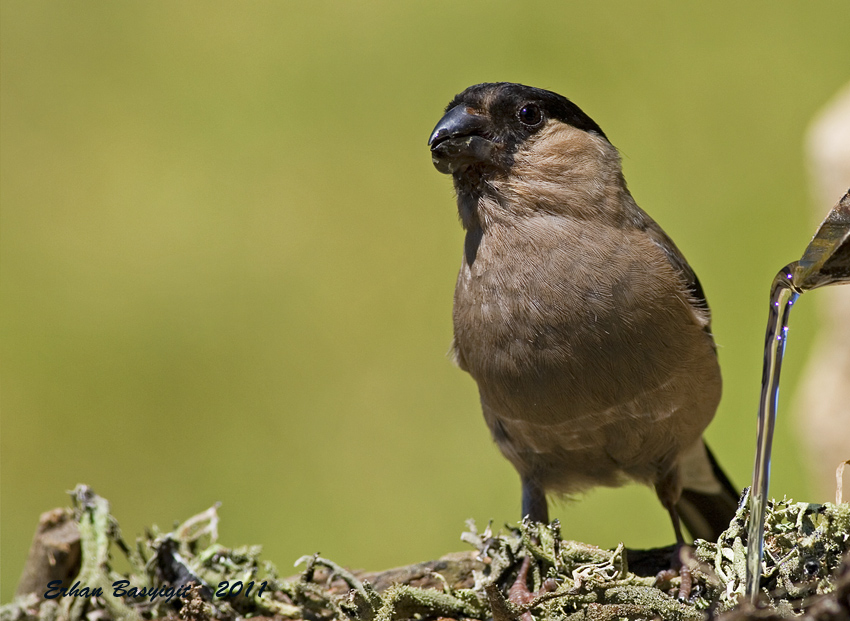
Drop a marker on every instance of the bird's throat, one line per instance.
(468, 209)
(471, 243)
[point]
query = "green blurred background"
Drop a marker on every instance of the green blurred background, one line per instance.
(228, 263)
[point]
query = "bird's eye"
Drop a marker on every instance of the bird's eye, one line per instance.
(530, 114)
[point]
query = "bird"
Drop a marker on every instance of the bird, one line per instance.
(583, 325)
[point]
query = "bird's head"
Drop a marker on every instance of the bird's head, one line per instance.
(529, 148)
(485, 125)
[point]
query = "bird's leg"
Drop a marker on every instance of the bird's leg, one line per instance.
(678, 565)
(669, 490)
(534, 506)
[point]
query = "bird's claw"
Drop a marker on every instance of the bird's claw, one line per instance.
(520, 595)
(678, 569)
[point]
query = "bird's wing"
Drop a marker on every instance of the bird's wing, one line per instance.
(689, 277)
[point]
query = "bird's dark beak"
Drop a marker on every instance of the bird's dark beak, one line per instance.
(457, 140)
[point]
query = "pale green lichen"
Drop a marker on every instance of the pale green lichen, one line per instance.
(804, 545)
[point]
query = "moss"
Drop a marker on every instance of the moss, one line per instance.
(804, 548)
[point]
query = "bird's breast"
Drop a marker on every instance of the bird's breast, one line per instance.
(547, 309)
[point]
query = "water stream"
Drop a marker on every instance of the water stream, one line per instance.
(826, 261)
(782, 297)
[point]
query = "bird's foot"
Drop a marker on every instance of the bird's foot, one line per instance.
(677, 568)
(519, 593)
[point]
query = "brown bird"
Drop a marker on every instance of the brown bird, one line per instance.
(582, 323)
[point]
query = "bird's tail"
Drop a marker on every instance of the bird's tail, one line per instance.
(709, 500)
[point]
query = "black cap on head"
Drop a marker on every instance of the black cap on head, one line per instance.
(504, 99)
